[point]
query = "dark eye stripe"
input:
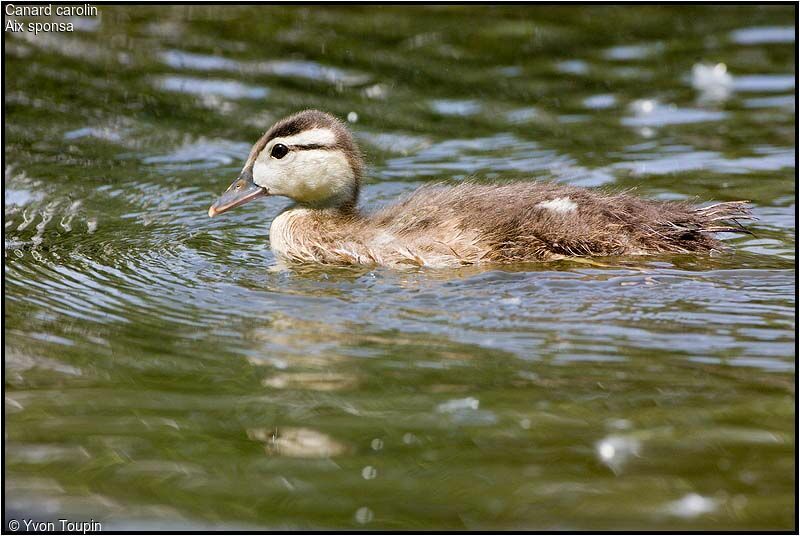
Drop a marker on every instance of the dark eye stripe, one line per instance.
(298, 147)
(311, 146)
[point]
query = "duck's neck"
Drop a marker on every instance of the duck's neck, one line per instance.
(302, 233)
(326, 213)
(334, 205)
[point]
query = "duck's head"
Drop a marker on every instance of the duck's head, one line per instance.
(309, 157)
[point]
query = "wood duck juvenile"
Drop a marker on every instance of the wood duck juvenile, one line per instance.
(311, 158)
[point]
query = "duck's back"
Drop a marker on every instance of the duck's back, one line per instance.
(442, 225)
(528, 221)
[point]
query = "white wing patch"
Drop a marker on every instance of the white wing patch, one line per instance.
(561, 205)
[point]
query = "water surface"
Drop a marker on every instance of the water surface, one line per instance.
(160, 372)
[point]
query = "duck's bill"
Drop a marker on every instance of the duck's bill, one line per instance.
(240, 192)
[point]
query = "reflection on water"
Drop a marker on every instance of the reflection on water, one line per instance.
(162, 372)
(649, 112)
(282, 68)
(761, 35)
(200, 86)
(298, 443)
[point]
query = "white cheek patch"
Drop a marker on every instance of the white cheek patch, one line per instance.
(307, 176)
(320, 174)
(315, 136)
(261, 173)
(561, 205)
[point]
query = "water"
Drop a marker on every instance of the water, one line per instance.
(159, 372)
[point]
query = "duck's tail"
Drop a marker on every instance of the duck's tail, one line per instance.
(692, 229)
(724, 217)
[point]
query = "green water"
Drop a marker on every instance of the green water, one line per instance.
(161, 373)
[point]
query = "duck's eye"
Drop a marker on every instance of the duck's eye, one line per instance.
(279, 151)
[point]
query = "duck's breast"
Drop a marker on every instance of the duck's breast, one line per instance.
(285, 235)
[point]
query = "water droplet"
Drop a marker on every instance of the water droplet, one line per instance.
(614, 451)
(714, 83)
(377, 91)
(691, 505)
(364, 515)
(352, 117)
(643, 106)
(377, 444)
(369, 472)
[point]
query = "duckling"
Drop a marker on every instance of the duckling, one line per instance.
(311, 158)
